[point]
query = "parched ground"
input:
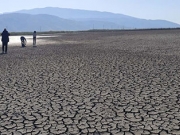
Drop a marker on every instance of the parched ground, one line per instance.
(95, 83)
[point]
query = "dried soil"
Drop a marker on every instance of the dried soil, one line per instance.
(111, 82)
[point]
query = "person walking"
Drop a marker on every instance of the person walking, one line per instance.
(5, 39)
(34, 38)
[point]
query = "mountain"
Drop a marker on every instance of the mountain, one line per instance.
(73, 13)
(56, 19)
(101, 20)
(42, 22)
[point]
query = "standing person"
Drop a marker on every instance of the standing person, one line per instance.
(5, 39)
(34, 38)
(23, 41)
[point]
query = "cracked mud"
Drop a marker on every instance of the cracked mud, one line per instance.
(116, 83)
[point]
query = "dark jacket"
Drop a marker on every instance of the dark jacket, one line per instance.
(22, 39)
(5, 36)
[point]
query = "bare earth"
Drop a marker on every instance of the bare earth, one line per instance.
(95, 83)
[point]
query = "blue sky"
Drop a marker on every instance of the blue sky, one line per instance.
(145, 9)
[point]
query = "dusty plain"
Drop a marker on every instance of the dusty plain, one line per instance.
(95, 83)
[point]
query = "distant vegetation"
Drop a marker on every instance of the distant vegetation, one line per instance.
(39, 33)
(92, 30)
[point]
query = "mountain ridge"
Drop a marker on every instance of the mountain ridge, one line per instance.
(64, 19)
(70, 13)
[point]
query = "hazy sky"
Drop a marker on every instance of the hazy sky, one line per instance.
(145, 9)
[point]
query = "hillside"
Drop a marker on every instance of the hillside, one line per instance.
(42, 22)
(62, 19)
